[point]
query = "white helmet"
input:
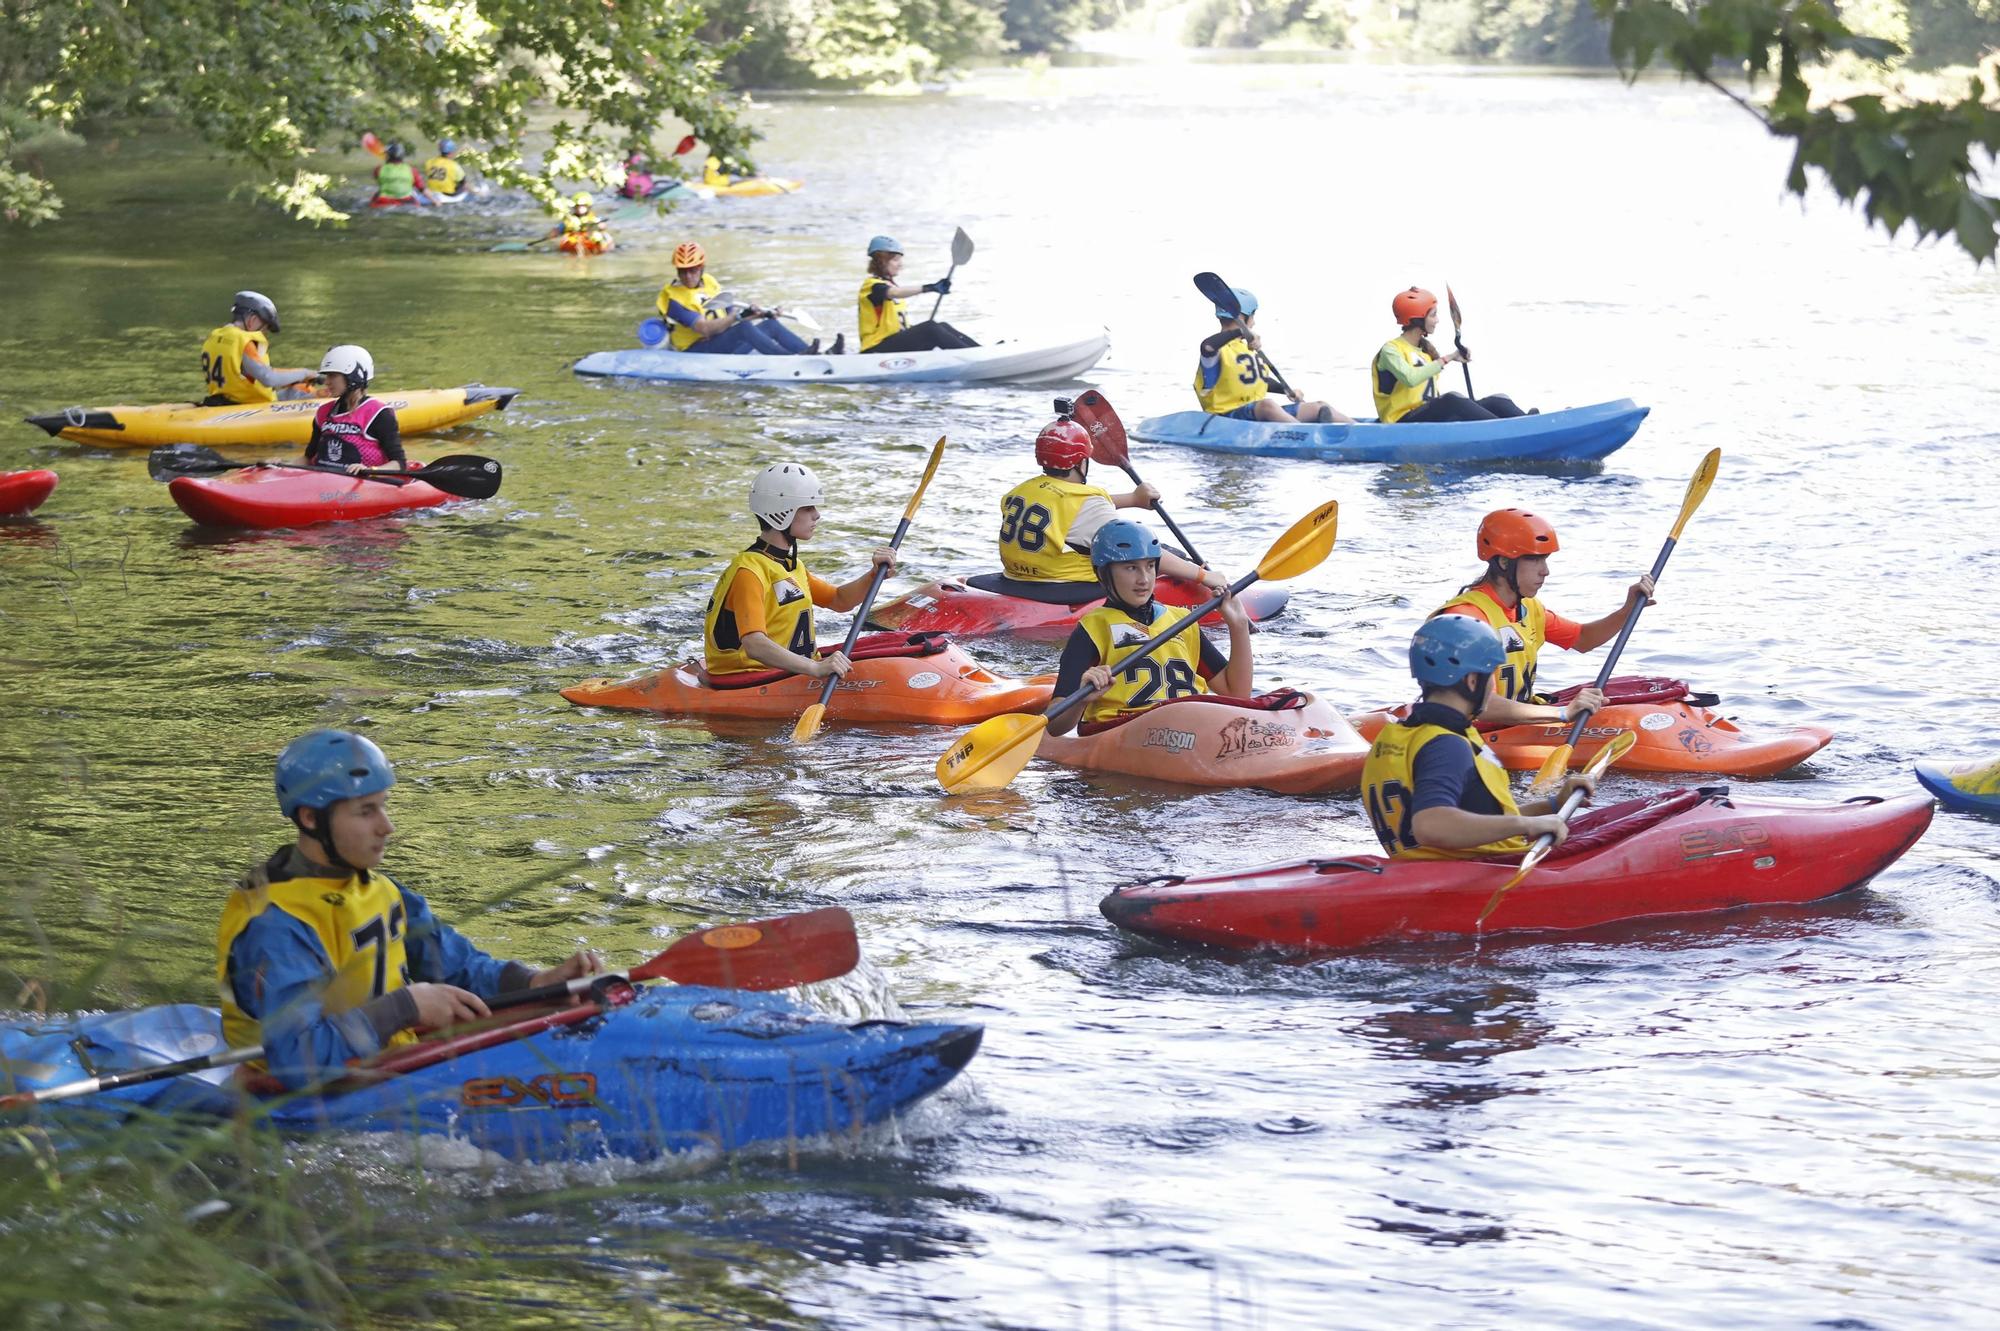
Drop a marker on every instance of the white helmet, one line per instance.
(780, 491)
(350, 360)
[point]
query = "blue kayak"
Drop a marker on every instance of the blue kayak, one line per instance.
(1578, 434)
(678, 1069)
(1972, 787)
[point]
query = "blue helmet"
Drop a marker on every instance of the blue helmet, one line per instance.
(447, 146)
(885, 245)
(1447, 649)
(1245, 299)
(316, 770)
(1120, 540)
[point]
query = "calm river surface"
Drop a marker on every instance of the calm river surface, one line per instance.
(1775, 1120)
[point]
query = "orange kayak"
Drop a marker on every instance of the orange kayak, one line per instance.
(919, 678)
(1225, 743)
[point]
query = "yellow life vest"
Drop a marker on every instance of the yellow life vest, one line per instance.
(1389, 785)
(1395, 399)
(1035, 518)
(446, 176)
(885, 322)
(695, 298)
(572, 224)
(712, 172)
(1239, 382)
(1174, 671)
(1523, 638)
(222, 365)
(359, 924)
(788, 612)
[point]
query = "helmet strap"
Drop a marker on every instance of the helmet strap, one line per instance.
(323, 834)
(1508, 571)
(1482, 691)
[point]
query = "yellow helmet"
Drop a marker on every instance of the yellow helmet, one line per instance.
(580, 199)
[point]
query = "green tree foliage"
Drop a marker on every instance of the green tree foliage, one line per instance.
(851, 43)
(273, 82)
(1253, 23)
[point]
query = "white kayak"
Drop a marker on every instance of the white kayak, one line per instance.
(1008, 360)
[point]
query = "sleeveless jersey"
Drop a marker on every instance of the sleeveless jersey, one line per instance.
(1174, 671)
(1395, 399)
(222, 365)
(344, 439)
(395, 180)
(694, 298)
(1523, 638)
(1035, 518)
(445, 176)
(1389, 784)
(885, 322)
(1239, 383)
(788, 617)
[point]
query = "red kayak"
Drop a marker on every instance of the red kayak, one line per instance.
(993, 603)
(1681, 852)
(22, 492)
(294, 497)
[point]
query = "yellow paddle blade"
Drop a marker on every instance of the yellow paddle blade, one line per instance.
(989, 755)
(1550, 775)
(808, 725)
(1304, 546)
(1621, 744)
(930, 470)
(1704, 476)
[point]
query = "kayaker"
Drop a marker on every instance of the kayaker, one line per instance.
(1234, 380)
(760, 615)
(353, 431)
(1049, 523)
(1127, 559)
(1516, 546)
(236, 358)
(322, 958)
(692, 325)
(884, 325)
(638, 182)
(714, 176)
(1432, 788)
(442, 174)
(581, 229)
(396, 181)
(1407, 367)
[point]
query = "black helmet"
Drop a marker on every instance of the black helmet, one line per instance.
(252, 302)
(394, 152)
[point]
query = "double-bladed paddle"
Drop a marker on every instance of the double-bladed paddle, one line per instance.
(808, 725)
(1221, 295)
(1550, 775)
(465, 475)
(1620, 745)
(1108, 444)
(989, 755)
(1465, 363)
(961, 253)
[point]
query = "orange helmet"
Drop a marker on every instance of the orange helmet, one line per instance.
(1062, 443)
(1515, 533)
(1413, 305)
(687, 254)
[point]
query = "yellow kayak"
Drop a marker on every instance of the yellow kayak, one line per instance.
(277, 424)
(756, 185)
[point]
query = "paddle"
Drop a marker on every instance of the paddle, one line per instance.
(517, 246)
(763, 954)
(465, 475)
(1620, 745)
(1466, 363)
(961, 253)
(1704, 476)
(1108, 444)
(373, 144)
(808, 725)
(989, 755)
(1223, 297)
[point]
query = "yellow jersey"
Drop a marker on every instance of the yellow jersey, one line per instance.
(1174, 671)
(1035, 518)
(1522, 638)
(444, 176)
(693, 298)
(222, 365)
(1395, 399)
(1239, 382)
(788, 607)
(886, 321)
(1389, 784)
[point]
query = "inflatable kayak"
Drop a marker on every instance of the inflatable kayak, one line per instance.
(598, 244)
(1681, 852)
(1675, 731)
(1968, 787)
(678, 1069)
(994, 603)
(22, 492)
(923, 678)
(274, 424)
(1580, 434)
(1006, 361)
(1292, 743)
(268, 497)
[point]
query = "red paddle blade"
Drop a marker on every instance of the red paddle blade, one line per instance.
(684, 147)
(1107, 433)
(763, 954)
(1452, 301)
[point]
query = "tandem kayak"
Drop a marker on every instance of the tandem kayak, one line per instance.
(1291, 743)
(1674, 729)
(1681, 852)
(1972, 787)
(267, 497)
(995, 603)
(266, 423)
(1579, 434)
(1008, 360)
(677, 1069)
(22, 492)
(921, 678)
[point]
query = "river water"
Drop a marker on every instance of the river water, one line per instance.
(1773, 1120)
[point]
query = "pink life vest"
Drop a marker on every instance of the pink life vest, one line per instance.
(344, 440)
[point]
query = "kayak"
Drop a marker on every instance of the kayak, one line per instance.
(922, 678)
(266, 497)
(1680, 852)
(586, 244)
(1579, 434)
(1972, 787)
(752, 187)
(1674, 729)
(995, 603)
(1008, 360)
(405, 201)
(678, 1069)
(22, 492)
(1292, 743)
(275, 424)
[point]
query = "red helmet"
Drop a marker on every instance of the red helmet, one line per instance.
(1062, 443)
(1413, 306)
(1515, 533)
